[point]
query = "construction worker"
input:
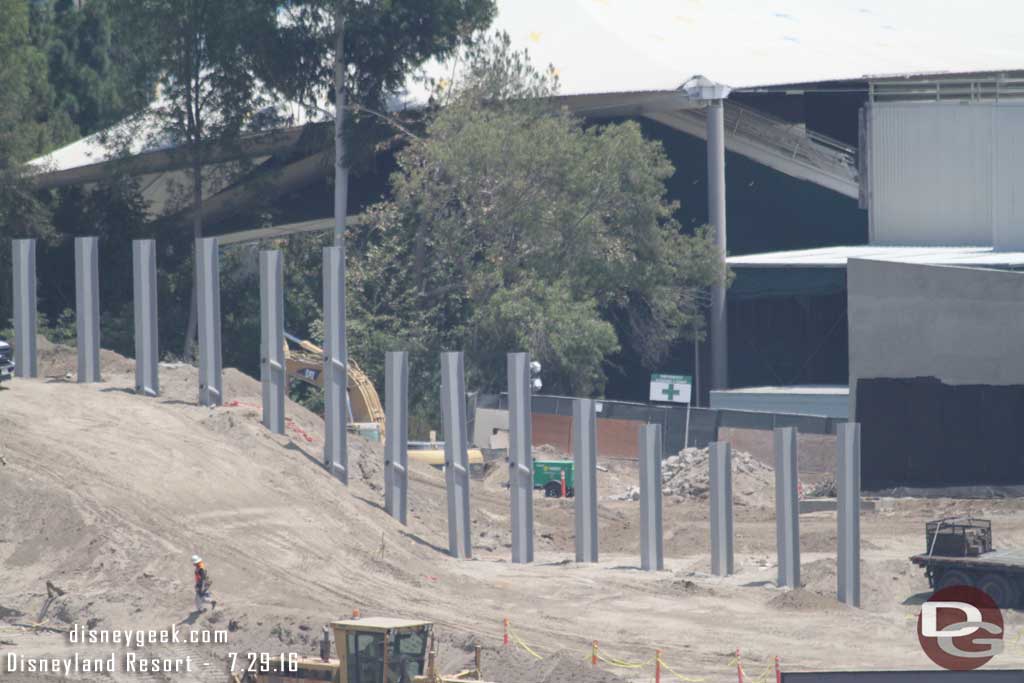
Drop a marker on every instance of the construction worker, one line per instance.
(202, 580)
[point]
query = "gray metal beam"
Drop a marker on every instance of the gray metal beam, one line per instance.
(456, 455)
(720, 485)
(272, 370)
(652, 556)
(26, 362)
(396, 439)
(584, 451)
(335, 365)
(848, 514)
(211, 390)
(520, 456)
(147, 380)
(787, 510)
(87, 308)
(716, 217)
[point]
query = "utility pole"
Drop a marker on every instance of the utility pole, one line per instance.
(339, 349)
(713, 95)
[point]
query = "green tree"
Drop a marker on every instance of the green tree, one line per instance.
(512, 225)
(206, 53)
(96, 77)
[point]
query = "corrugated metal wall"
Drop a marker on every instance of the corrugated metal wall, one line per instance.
(946, 173)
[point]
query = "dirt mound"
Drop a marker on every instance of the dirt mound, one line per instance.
(60, 361)
(513, 665)
(802, 600)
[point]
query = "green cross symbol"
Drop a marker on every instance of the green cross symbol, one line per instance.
(671, 391)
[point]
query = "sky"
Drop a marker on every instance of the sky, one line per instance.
(619, 45)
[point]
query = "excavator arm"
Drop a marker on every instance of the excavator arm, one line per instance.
(306, 364)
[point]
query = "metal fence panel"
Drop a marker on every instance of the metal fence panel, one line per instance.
(272, 363)
(520, 456)
(720, 485)
(584, 445)
(787, 517)
(87, 308)
(456, 455)
(211, 391)
(848, 514)
(396, 443)
(335, 365)
(147, 380)
(652, 556)
(26, 363)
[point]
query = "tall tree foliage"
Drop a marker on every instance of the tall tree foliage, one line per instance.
(97, 75)
(206, 52)
(512, 225)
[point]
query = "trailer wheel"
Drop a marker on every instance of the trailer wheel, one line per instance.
(954, 577)
(1000, 589)
(553, 489)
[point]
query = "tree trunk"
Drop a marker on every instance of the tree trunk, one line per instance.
(340, 170)
(188, 353)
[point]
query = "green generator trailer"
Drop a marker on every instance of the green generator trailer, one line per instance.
(547, 476)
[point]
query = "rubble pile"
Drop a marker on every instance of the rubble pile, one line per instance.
(686, 475)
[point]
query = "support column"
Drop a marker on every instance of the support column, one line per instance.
(147, 380)
(87, 308)
(520, 456)
(335, 365)
(652, 557)
(396, 438)
(26, 363)
(272, 370)
(720, 485)
(456, 456)
(716, 218)
(848, 514)
(584, 450)
(211, 392)
(787, 510)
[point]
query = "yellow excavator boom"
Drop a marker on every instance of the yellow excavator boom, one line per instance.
(306, 365)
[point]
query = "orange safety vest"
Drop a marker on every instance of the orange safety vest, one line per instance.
(200, 577)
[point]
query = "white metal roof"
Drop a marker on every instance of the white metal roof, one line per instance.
(623, 45)
(626, 46)
(836, 257)
(794, 389)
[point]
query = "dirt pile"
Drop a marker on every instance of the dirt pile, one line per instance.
(685, 475)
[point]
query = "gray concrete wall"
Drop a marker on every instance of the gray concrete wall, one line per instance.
(961, 325)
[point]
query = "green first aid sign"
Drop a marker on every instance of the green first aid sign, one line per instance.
(671, 388)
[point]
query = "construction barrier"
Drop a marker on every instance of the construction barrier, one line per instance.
(596, 656)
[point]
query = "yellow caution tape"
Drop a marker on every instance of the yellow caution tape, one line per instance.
(622, 663)
(521, 643)
(681, 677)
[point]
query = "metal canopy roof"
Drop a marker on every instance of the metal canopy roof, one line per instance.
(836, 257)
(629, 45)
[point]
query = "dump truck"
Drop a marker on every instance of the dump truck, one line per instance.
(959, 552)
(369, 650)
(547, 477)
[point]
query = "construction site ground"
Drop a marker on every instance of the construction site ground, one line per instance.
(106, 495)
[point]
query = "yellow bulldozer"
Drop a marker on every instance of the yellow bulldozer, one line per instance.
(371, 650)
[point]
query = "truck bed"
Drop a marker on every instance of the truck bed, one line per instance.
(996, 559)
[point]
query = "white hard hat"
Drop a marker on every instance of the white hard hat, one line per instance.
(196, 559)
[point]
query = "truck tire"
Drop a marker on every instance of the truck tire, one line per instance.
(1000, 589)
(954, 577)
(553, 489)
